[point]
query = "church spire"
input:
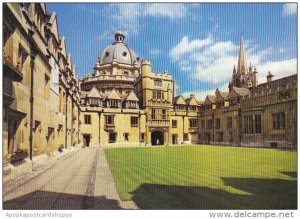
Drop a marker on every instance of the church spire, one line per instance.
(242, 64)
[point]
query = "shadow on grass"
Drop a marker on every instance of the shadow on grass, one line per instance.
(290, 174)
(43, 200)
(265, 194)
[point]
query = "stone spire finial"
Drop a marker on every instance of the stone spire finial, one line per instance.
(242, 63)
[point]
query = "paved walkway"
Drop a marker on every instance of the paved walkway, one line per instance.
(81, 181)
(105, 185)
(37, 167)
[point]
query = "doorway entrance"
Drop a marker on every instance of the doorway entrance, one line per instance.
(112, 137)
(207, 135)
(174, 139)
(157, 138)
(86, 140)
(12, 147)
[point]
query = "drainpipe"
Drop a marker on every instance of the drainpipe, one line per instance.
(240, 127)
(173, 83)
(213, 127)
(66, 135)
(139, 128)
(32, 63)
(72, 123)
(183, 129)
(78, 118)
(146, 130)
(99, 138)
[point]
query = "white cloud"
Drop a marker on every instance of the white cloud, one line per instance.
(212, 62)
(128, 15)
(204, 59)
(103, 36)
(184, 46)
(154, 52)
(172, 11)
(289, 9)
(279, 69)
(218, 71)
(201, 94)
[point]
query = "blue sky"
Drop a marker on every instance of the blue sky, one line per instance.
(196, 43)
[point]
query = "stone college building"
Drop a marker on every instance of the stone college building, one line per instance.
(124, 102)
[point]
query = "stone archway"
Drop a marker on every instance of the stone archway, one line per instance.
(157, 138)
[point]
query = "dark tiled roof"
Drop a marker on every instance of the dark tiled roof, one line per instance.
(212, 98)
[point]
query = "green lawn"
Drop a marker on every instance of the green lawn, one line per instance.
(205, 177)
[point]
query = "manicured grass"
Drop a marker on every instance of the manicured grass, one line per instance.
(205, 177)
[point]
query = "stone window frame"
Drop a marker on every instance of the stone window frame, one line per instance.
(126, 136)
(22, 56)
(248, 124)
(217, 123)
(157, 82)
(278, 120)
(134, 121)
(193, 123)
(94, 101)
(209, 124)
(174, 123)
(252, 124)
(192, 108)
(220, 136)
(185, 136)
(87, 119)
(110, 121)
(158, 94)
(180, 107)
(229, 123)
(110, 134)
(142, 137)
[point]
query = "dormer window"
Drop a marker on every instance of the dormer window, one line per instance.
(131, 104)
(95, 102)
(180, 107)
(124, 54)
(107, 54)
(113, 103)
(192, 108)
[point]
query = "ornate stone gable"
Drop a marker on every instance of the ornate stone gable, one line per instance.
(94, 93)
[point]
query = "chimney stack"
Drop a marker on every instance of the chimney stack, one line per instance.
(269, 77)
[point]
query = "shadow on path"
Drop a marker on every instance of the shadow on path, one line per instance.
(43, 200)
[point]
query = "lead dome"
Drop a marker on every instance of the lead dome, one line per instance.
(119, 52)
